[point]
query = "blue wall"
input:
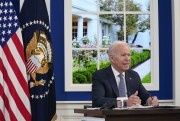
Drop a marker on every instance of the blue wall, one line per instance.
(57, 27)
(165, 52)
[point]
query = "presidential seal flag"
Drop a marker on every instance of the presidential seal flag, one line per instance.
(35, 26)
(14, 92)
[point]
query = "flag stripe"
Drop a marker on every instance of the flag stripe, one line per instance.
(1, 114)
(9, 92)
(17, 57)
(15, 98)
(32, 69)
(3, 110)
(16, 69)
(29, 65)
(15, 82)
(18, 44)
(7, 105)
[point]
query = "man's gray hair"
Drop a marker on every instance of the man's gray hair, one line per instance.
(114, 45)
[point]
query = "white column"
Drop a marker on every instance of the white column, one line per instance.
(176, 50)
(80, 28)
(92, 28)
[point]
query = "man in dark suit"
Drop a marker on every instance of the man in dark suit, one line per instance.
(105, 81)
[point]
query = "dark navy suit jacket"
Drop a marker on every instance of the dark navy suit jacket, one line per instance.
(104, 87)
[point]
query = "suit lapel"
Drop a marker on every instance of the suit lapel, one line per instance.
(112, 81)
(129, 83)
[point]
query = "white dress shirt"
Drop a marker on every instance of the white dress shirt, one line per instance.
(116, 75)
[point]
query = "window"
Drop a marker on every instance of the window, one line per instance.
(85, 27)
(96, 24)
(74, 28)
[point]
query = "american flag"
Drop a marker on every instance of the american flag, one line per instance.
(14, 92)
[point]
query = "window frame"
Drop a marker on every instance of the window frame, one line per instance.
(70, 87)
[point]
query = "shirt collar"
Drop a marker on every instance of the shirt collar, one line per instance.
(116, 73)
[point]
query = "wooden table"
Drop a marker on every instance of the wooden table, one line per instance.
(145, 114)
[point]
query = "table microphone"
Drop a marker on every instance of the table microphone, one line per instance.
(108, 105)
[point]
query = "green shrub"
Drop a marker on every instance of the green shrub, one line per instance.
(88, 76)
(132, 62)
(132, 52)
(137, 58)
(75, 81)
(79, 78)
(145, 55)
(104, 64)
(92, 68)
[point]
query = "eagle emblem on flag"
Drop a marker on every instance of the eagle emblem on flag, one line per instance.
(38, 56)
(37, 39)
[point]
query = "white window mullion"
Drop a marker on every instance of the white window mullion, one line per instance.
(124, 14)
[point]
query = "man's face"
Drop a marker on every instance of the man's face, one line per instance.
(121, 59)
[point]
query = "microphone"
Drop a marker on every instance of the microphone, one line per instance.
(108, 105)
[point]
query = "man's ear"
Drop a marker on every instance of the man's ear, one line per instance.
(111, 57)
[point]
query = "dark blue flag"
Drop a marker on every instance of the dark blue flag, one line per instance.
(35, 26)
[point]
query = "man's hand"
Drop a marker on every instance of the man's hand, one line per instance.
(152, 101)
(134, 100)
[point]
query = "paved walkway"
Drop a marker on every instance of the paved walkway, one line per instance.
(143, 69)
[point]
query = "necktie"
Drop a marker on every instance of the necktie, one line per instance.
(122, 86)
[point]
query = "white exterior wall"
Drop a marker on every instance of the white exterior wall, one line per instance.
(86, 5)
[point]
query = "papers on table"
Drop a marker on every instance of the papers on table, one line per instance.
(93, 108)
(134, 107)
(125, 108)
(140, 106)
